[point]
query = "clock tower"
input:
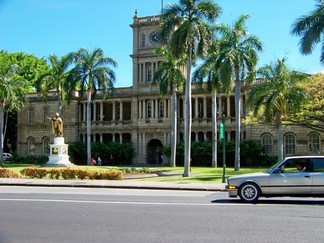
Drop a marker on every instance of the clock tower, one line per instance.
(146, 38)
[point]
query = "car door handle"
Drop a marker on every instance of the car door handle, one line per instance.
(307, 176)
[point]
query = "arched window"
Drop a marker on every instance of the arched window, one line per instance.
(290, 144)
(314, 143)
(45, 145)
(31, 146)
(267, 142)
(31, 115)
(143, 40)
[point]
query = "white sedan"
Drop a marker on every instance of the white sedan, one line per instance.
(294, 176)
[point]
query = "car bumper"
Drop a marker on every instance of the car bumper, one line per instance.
(232, 190)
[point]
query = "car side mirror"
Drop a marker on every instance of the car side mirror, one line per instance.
(277, 171)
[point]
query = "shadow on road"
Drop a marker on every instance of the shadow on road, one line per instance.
(284, 201)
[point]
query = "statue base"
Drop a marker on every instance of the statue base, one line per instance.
(59, 154)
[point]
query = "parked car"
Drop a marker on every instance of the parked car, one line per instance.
(6, 156)
(301, 176)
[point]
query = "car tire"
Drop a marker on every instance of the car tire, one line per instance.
(249, 192)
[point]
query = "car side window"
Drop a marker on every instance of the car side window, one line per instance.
(318, 165)
(293, 166)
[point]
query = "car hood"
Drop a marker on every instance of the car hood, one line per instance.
(249, 176)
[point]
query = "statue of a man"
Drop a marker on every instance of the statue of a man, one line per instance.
(57, 125)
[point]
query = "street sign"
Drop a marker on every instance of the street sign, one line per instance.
(221, 130)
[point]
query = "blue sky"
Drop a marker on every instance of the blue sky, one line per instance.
(44, 27)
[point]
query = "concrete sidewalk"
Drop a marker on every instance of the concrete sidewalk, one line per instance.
(126, 183)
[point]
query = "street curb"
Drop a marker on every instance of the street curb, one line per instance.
(112, 184)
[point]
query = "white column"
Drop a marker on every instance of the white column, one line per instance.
(165, 111)
(121, 110)
(139, 109)
(120, 138)
(144, 109)
(101, 111)
(220, 111)
(156, 108)
(94, 111)
(196, 107)
(205, 107)
(114, 111)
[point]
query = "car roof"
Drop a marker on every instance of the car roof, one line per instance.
(305, 157)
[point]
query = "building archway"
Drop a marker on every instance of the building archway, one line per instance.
(154, 152)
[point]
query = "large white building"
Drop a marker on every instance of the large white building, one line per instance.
(140, 115)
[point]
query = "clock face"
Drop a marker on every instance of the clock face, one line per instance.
(154, 37)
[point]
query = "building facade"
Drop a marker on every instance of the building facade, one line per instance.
(141, 116)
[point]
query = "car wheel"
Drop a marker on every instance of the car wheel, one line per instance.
(249, 192)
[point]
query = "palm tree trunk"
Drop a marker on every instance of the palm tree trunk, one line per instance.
(89, 127)
(214, 128)
(237, 120)
(187, 128)
(174, 127)
(280, 138)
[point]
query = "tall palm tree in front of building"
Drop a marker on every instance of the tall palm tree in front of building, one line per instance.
(186, 28)
(56, 78)
(208, 74)
(13, 90)
(170, 77)
(278, 93)
(311, 30)
(237, 61)
(92, 73)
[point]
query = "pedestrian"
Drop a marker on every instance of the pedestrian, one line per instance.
(93, 161)
(99, 162)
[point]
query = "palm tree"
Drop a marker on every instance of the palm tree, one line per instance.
(13, 92)
(278, 94)
(56, 78)
(185, 27)
(237, 61)
(311, 30)
(170, 77)
(208, 74)
(91, 73)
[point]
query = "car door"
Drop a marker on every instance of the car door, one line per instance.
(289, 181)
(318, 175)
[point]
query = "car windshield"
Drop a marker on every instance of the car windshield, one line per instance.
(272, 168)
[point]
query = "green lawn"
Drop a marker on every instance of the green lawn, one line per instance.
(170, 174)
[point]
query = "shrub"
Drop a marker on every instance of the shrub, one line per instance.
(54, 173)
(5, 173)
(68, 174)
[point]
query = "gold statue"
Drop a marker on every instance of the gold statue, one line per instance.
(57, 125)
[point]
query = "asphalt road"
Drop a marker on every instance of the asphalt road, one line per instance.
(42, 214)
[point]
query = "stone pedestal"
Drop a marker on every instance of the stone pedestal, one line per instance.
(59, 154)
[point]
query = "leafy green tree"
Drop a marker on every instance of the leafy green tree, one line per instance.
(278, 94)
(186, 29)
(13, 89)
(311, 30)
(311, 115)
(238, 56)
(208, 74)
(170, 77)
(56, 78)
(92, 72)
